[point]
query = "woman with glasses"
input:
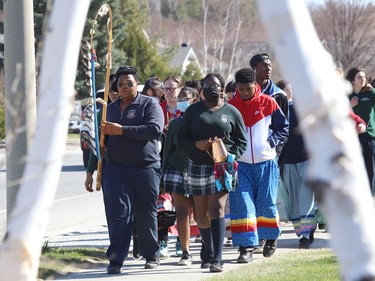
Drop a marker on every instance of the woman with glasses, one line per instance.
(172, 87)
(202, 122)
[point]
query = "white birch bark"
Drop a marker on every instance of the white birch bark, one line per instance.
(20, 252)
(337, 172)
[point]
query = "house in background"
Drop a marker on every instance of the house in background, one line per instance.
(185, 58)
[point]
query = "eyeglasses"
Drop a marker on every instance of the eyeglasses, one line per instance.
(172, 89)
(127, 84)
(185, 99)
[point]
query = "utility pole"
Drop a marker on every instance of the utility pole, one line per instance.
(20, 90)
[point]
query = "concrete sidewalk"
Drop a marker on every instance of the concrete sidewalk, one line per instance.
(134, 269)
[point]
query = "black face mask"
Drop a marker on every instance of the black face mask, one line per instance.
(211, 93)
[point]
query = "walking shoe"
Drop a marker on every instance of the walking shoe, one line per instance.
(259, 249)
(186, 259)
(136, 254)
(322, 226)
(152, 263)
(269, 248)
(206, 263)
(198, 239)
(304, 243)
(114, 268)
(228, 243)
(178, 249)
(216, 266)
(164, 250)
(246, 255)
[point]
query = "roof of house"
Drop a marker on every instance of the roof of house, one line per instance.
(184, 56)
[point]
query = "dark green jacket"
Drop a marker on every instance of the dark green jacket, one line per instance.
(173, 154)
(366, 110)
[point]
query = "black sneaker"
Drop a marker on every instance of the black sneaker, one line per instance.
(322, 226)
(259, 249)
(152, 263)
(114, 268)
(246, 255)
(269, 248)
(216, 266)
(304, 243)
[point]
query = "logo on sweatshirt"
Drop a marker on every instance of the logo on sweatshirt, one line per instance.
(131, 114)
(224, 118)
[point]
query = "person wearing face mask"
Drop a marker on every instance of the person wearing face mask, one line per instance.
(173, 166)
(201, 123)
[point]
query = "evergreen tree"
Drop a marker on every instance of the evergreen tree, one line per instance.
(100, 43)
(192, 72)
(130, 45)
(139, 51)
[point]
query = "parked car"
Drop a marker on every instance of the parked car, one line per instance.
(74, 124)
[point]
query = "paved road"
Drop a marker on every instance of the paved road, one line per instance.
(73, 209)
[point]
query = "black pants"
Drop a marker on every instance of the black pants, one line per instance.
(131, 191)
(368, 151)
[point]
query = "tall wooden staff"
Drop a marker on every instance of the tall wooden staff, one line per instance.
(104, 10)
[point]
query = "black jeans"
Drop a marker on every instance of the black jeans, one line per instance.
(368, 151)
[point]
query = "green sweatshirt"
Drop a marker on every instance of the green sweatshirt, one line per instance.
(201, 123)
(366, 110)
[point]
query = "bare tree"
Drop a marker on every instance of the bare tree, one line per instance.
(205, 39)
(346, 27)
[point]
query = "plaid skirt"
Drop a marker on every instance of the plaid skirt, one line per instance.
(200, 179)
(174, 182)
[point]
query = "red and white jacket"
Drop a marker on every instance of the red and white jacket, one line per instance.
(266, 126)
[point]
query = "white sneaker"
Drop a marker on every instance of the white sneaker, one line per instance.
(186, 259)
(164, 250)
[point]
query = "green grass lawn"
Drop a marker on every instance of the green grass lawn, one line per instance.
(55, 261)
(306, 265)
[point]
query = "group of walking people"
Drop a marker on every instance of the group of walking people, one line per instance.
(193, 142)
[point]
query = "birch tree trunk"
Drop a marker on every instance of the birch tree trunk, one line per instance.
(337, 173)
(20, 252)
